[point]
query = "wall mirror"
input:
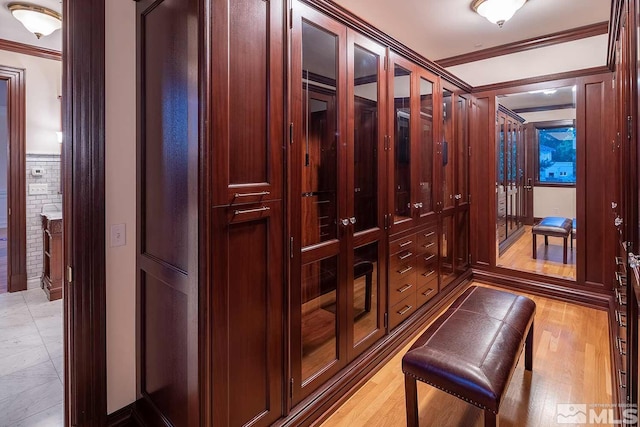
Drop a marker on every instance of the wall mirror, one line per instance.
(536, 182)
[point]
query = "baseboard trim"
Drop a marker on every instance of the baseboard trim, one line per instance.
(34, 283)
(575, 295)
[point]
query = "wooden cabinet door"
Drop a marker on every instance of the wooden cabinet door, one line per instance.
(248, 96)
(426, 195)
(247, 316)
(168, 214)
(320, 220)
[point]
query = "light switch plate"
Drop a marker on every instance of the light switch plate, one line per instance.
(118, 235)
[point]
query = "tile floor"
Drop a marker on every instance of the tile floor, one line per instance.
(31, 360)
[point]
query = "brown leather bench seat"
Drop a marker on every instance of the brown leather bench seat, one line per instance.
(553, 226)
(472, 350)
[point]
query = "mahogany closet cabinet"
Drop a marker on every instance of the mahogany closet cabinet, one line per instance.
(287, 152)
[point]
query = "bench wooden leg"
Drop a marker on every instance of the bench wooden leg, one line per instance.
(546, 240)
(411, 399)
(528, 350)
(491, 419)
(564, 257)
(535, 247)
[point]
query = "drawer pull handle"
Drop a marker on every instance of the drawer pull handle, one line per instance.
(405, 256)
(427, 292)
(408, 242)
(430, 257)
(619, 343)
(429, 234)
(248, 211)
(261, 193)
(405, 309)
(428, 245)
(428, 273)
(405, 270)
(621, 374)
(621, 319)
(619, 261)
(405, 288)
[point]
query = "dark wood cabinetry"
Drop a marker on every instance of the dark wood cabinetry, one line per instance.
(52, 261)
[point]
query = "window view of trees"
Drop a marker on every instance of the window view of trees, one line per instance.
(557, 155)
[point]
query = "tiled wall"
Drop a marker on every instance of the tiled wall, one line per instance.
(50, 165)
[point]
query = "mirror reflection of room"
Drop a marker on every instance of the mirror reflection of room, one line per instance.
(536, 182)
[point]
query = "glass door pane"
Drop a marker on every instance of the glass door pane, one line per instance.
(402, 147)
(462, 137)
(365, 292)
(501, 189)
(365, 138)
(425, 192)
(448, 153)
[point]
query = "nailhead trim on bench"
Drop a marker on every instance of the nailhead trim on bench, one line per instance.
(452, 393)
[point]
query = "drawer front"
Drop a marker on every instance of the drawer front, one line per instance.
(406, 244)
(402, 310)
(425, 293)
(396, 261)
(426, 272)
(427, 241)
(402, 282)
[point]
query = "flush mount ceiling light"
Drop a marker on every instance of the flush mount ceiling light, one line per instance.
(497, 11)
(39, 20)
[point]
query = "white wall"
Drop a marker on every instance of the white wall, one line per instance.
(43, 87)
(545, 116)
(120, 147)
(552, 201)
(558, 58)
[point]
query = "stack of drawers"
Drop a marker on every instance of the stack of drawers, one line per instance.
(413, 273)
(620, 292)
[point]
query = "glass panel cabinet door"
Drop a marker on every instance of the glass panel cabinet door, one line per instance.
(402, 112)
(425, 148)
(448, 150)
(317, 200)
(366, 177)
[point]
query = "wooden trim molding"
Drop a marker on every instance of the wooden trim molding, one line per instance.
(16, 202)
(540, 79)
(125, 417)
(615, 21)
(83, 176)
(28, 49)
(528, 44)
(544, 108)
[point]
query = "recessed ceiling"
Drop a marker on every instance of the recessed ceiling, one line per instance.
(11, 29)
(440, 29)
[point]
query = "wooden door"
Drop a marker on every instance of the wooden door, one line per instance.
(461, 195)
(168, 214)
(366, 184)
(247, 320)
(320, 220)
(402, 126)
(427, 200)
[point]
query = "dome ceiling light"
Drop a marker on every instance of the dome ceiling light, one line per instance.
(39, 20)
(497, 11)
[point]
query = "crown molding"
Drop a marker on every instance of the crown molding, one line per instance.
(528, 44)
(28, 49)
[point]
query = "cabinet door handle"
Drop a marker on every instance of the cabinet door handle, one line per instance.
(405, 270)
(405, 256)
(248, 211)
(408, 242)
(405, 288)
(405, 309)
(427, 292)
(261, 193)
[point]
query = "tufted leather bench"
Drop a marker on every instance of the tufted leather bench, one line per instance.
(552, 226)
(472, 350)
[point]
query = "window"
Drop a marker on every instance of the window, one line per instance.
(557, 155)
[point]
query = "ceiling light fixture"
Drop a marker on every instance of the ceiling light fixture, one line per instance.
(497, 11)
(39, 20)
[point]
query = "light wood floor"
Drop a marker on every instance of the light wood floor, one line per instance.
(549, 262)
(571, 364)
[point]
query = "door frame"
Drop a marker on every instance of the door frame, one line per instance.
(16, 178)
(83, 177)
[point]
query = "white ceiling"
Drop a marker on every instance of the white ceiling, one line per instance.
(12, 29)
(440, 29)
